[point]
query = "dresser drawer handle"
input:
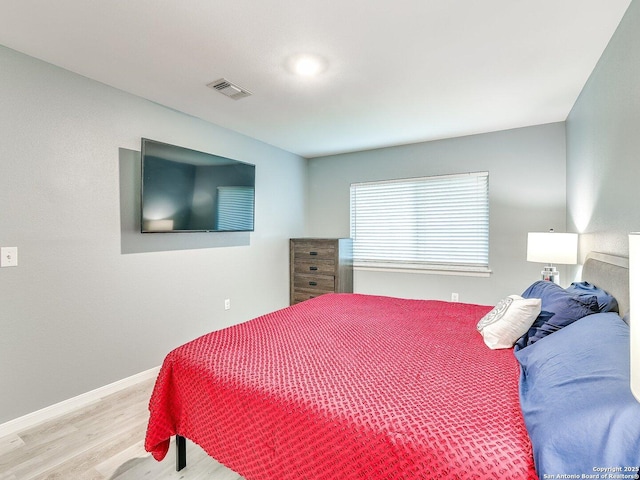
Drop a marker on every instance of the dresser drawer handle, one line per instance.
(313, 284)
(313, 253)
(313, 269)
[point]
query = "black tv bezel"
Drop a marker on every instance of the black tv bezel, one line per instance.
(143, 142)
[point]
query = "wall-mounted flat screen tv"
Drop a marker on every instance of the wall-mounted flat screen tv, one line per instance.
(184, 190)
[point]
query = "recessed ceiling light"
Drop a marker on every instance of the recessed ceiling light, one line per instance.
(306, 65)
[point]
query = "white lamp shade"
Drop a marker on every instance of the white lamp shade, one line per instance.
(552, 247)
(634, 304)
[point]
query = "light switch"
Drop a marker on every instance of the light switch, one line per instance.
(8, 256)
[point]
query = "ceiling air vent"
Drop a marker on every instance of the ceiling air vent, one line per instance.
(229, 89)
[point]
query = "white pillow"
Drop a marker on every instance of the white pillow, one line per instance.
(508, 321)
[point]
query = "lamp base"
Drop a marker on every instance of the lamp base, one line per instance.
(550, 274)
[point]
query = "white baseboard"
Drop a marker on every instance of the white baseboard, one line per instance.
(31, 419)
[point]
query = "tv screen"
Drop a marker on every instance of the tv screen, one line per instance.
(184, 190)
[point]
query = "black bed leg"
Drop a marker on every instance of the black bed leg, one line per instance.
(181, 453)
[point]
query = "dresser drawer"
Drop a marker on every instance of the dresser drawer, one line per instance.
(314, 250)
(302, 296)
(314, 266)
(314, 283)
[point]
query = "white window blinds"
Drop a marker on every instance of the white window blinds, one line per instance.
(439, 223)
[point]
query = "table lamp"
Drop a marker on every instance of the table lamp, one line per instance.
(551, 247)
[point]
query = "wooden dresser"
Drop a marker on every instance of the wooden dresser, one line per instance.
(319, 265)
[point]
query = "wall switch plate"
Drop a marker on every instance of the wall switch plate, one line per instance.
(8, 256)
(227, 303)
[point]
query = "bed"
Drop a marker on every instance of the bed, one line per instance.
(349, 386)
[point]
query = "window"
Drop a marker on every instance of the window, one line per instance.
(429, 223)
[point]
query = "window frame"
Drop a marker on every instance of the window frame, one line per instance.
(447, 267)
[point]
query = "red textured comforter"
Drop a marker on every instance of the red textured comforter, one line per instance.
(348, 386)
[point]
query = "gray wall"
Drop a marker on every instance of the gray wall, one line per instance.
(526, 189)
(603, 146)
(93, 300)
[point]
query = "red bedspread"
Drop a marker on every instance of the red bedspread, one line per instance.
(348, 386)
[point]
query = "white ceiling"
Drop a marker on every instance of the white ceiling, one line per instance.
(398, 71)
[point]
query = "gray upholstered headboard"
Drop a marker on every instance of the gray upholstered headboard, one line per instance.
(611, 273)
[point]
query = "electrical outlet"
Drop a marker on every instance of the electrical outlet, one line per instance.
(227, 303)
(8, 256)
(454, 297)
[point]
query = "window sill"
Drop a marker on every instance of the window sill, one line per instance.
(463, 271)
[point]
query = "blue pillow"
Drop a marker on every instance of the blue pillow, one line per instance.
(576, 401)
(541, 328)
(559, 309)
(606, 302)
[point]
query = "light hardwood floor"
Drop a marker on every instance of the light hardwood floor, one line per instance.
(103, 441)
